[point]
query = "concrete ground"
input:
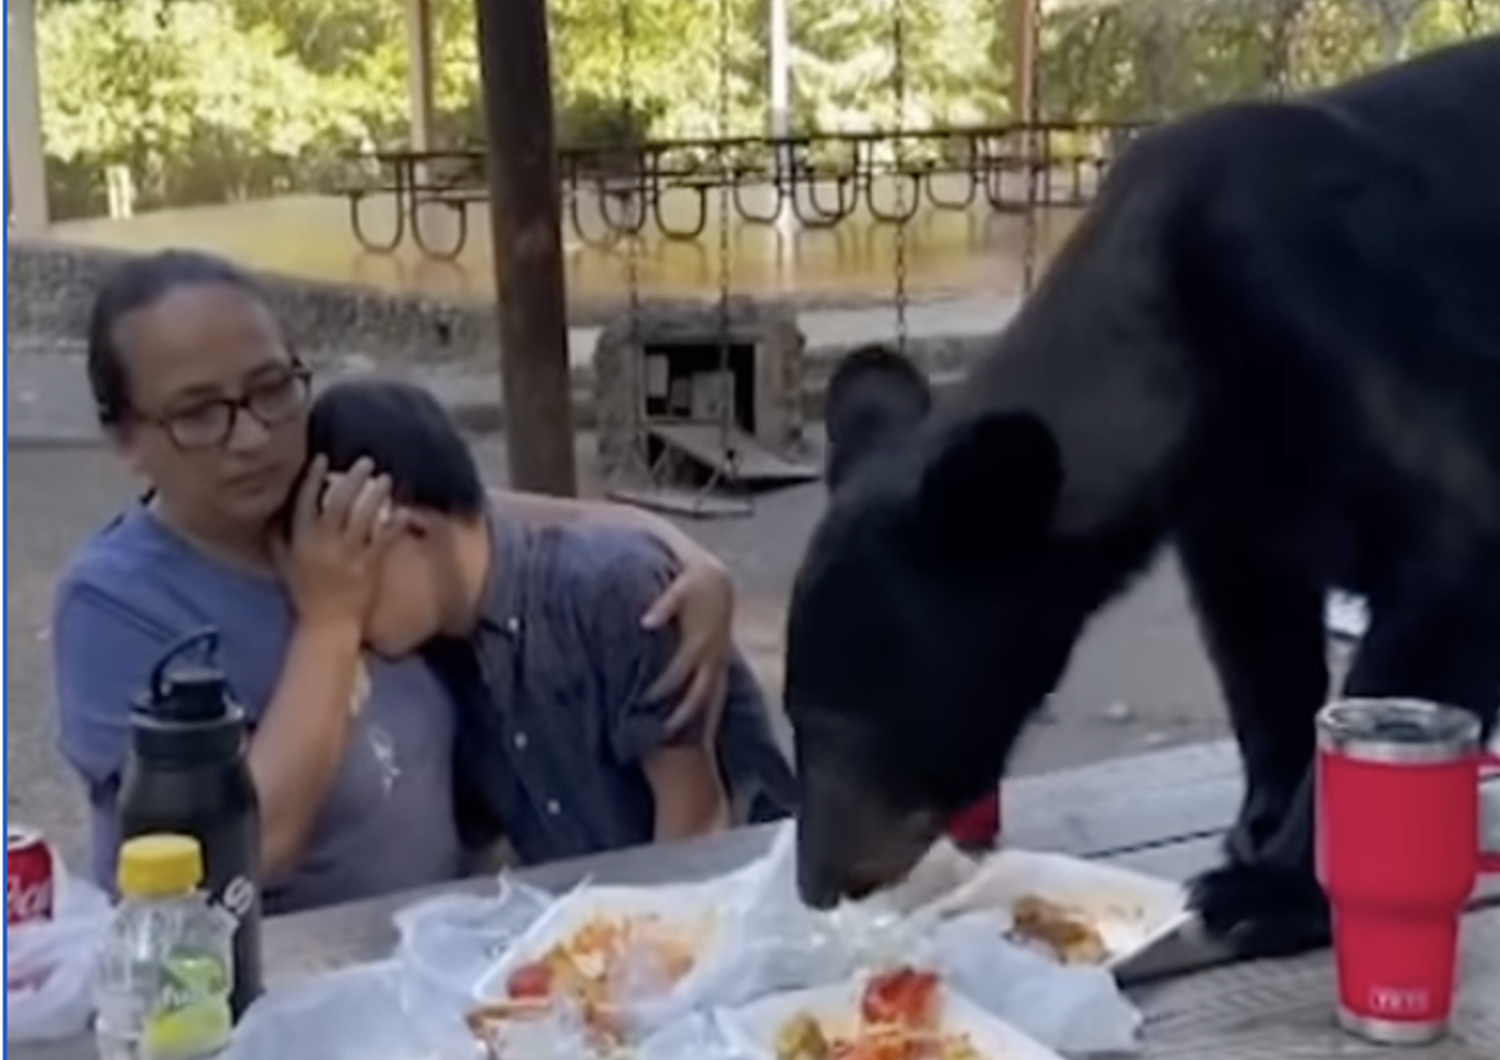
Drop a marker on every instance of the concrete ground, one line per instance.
(1138, 681)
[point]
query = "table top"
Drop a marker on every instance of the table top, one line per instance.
(1180, 801)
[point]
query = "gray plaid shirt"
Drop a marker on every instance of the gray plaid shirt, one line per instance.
(565, 667)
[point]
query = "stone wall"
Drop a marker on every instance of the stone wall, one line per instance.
(49, 287)
(452, 348)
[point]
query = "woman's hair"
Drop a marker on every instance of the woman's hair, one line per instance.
(408, 435)
(139, 284)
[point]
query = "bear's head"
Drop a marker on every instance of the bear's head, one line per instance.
(930, 618)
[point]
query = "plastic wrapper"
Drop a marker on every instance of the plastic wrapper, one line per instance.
(1130, 911)
(738, 939)
(757, 1028)
(1078, 1011)
(357, 1013)
(49, 964)
(748, 934)
(448, 944)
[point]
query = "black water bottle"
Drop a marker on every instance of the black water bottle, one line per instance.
(186, 773)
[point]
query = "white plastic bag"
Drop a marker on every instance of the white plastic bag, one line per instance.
(764, 941)
(448, 944)
(352, 1014)
(699, 1036)
(759, 938)
(49, 964)
(1075, 1010)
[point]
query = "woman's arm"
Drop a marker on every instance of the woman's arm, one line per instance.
(680, 766)
(329, 563)
(302, 737)
(105, 645)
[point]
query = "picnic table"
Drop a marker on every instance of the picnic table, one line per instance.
(410, 183)
(1161, 813)
(615, 190)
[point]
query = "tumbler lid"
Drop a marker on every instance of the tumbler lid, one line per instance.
(1398, 731)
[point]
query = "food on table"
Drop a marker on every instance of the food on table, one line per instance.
(899, 1018)
(1069, 934)
(802, 1038)
(592, 972)
(600, 961)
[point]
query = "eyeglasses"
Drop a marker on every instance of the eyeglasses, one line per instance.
(272, 400)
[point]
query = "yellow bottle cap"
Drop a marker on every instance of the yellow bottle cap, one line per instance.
(158, 866)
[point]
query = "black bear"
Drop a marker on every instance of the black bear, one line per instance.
(1274, 344)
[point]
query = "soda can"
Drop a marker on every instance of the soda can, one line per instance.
(28, 876)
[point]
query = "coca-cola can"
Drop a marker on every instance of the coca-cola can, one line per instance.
(28, 876)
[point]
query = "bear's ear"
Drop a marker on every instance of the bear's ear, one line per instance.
(874, 394)
(994, 486)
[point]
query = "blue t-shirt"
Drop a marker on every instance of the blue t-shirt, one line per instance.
(388, 823)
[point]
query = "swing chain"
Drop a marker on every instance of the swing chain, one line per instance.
(726, 381)
(634, 224)
(1033, 145)
(898, 77)
(633, 156)
(726, 174)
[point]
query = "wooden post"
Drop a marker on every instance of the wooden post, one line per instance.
(1023, 16)
(419, 72)
(26, 162)
(526, 229)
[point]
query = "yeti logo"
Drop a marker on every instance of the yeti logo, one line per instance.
(1400, 1001)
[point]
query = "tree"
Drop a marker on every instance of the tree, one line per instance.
(205, 101)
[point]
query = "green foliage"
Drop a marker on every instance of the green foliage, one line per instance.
(212, 100)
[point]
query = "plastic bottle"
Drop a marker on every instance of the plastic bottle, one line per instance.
(166, 965)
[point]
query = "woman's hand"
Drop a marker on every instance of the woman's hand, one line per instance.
(341, 525)
(701, 602)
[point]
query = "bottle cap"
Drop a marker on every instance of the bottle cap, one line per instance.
(158, 866)
(193, 696)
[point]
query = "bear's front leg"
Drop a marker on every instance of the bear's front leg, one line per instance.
(1262, 622)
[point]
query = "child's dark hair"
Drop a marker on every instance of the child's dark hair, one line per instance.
(136, 285)
(408, 435)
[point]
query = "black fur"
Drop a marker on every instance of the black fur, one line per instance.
(1274, 343)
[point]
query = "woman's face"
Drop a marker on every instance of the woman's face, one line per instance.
(218, 407)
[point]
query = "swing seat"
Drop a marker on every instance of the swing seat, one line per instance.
(731, 453)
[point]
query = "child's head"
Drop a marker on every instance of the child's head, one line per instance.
(409, 437)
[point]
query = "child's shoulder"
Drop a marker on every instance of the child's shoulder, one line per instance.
(586, 555)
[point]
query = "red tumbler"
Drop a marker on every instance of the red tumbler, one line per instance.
(978, 827)
(1398, 852)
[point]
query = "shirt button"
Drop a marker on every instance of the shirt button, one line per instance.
(554, 807)
(512, 626)
(520, 741)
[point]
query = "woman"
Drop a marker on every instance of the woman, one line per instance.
(351, 755)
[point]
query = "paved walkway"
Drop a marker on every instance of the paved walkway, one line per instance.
(47, 399)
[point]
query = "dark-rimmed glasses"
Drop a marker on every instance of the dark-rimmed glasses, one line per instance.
(271, 399)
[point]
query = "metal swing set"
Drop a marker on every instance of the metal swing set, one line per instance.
(708, 431)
